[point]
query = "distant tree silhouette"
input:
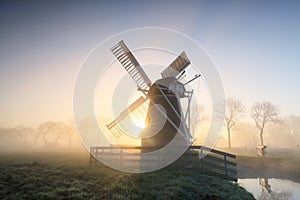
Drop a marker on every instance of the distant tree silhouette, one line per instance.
(292, 124)
(233, 110)
(43, 129)
(19, 133)
(23, 133)
(52, 132)
(71, 133)
(262, 114)
(197, 117)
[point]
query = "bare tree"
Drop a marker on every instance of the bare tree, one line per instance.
(52, 132)
(234, 108)
(263, 113)
(43, 130)
(292, 124)
(197, 117)
(20, 133)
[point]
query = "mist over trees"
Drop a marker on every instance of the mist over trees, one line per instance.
(197, 117)
(267, 128)
(264, 128)
(48, 134)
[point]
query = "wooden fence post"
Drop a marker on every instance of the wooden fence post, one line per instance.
(201, 161)
(225, 162)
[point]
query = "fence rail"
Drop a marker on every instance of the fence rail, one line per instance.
(211, 161)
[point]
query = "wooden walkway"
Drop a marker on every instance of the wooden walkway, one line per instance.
(208, 161)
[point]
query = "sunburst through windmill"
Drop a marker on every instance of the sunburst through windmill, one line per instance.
(159, 105)
(164, 107)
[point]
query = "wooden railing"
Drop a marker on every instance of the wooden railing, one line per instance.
(209, 161)
(217, 162)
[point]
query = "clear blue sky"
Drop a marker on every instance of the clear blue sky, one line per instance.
(254, 44)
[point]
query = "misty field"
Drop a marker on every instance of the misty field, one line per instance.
(70, 176)
(281, 163)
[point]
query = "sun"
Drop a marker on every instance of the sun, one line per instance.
(140, 122)
(137, 124)
(137, 119)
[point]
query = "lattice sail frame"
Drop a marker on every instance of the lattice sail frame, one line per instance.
(121, 125)
(177, 66)
(131, 65)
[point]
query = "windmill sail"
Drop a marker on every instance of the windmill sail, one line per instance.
(177, 66)
(131, 65)
(121, 124)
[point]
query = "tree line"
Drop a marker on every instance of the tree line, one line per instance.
(47, 134)
(262, 114)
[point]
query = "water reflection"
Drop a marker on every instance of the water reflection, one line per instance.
(284, 195)
(271, 189)
(264, 183)
(268, 194)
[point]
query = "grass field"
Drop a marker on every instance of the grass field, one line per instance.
(70, 176)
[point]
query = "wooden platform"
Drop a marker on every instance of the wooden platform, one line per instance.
(206, 160)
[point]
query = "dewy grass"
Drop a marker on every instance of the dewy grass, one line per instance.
(177, 185)
(80, 180)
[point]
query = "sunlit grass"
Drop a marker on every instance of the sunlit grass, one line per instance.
(74, 178)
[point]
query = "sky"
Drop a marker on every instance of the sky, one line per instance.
(255, 46)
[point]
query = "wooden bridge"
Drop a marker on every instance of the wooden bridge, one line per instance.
(208, 161)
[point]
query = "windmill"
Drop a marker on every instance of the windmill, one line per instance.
(159, 100)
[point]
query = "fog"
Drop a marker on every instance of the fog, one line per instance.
(62, 136)
(246, 135)
(282, 139)
(48, 136)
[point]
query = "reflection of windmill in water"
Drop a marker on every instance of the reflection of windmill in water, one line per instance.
(163, 114)
(264, 183)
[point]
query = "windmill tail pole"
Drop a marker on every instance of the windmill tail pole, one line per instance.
(181, 75)
(196, 76)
